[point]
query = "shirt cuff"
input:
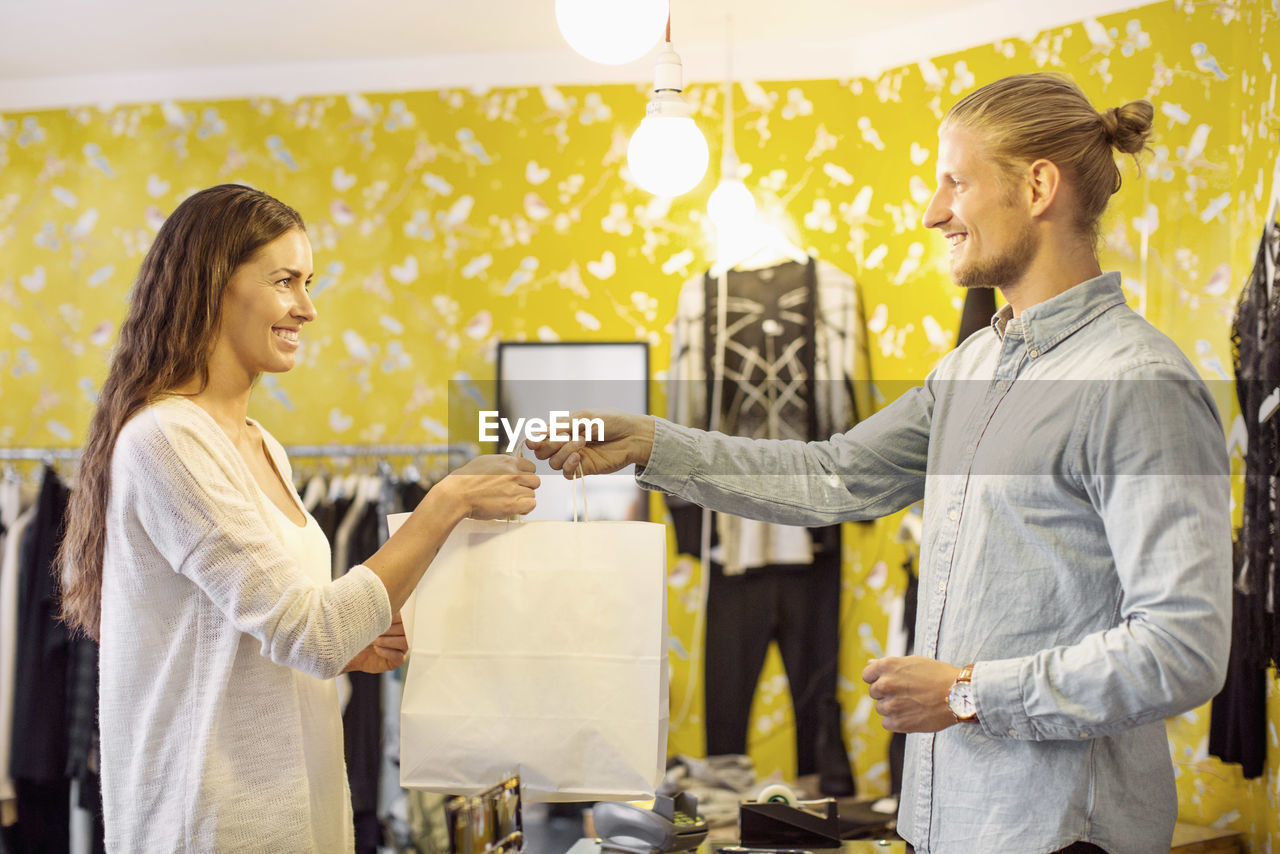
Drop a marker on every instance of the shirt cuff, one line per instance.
(672, 459)
(997, 690)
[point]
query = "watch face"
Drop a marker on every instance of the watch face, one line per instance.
(960, 700)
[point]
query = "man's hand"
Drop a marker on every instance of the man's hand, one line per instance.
(387, 652)
(911, 692)
(628, 439)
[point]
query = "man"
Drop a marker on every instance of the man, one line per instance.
(1075, 570)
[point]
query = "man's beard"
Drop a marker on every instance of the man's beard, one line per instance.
(1001, 271)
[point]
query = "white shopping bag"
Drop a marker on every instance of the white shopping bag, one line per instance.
(539, 648)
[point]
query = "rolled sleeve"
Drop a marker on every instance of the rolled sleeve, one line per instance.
(672, 460)
(997, 688)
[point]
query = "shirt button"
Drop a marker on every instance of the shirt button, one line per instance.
(1012, 731)
(942, 587)
(953, 515)
(1035, 353)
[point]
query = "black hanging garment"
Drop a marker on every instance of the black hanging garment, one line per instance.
(83, 755)
(1256, 355)
(773, 388)
(979, 307)
(1238, 717)
(362, 718)
(1237, 730)
(38, 760)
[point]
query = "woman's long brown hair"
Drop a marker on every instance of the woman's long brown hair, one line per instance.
(165, 341)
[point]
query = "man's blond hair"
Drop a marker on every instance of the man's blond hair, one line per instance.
(1028, 117)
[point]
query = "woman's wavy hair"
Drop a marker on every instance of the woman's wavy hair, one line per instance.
(164, 342)
(1027, 117)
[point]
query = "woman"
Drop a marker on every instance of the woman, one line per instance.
(189, 556)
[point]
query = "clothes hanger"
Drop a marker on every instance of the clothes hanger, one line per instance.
(337, 486)
(314, 490)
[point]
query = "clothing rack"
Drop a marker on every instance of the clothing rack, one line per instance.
(409, 450)
(402, 450)
(39, 453)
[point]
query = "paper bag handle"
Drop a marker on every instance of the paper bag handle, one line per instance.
(578, 477)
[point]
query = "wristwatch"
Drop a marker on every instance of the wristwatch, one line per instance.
(960, 698)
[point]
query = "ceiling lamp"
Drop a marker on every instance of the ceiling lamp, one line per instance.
(612, 31)
(731, 206)
(667, 154)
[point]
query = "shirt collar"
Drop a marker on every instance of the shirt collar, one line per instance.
(1047, 323)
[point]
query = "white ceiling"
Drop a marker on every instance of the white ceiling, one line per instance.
(60, 52)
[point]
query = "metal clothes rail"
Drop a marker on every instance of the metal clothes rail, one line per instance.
(39, 453)
(405, 450)
(311, 451)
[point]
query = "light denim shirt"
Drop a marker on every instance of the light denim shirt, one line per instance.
(1077, 550)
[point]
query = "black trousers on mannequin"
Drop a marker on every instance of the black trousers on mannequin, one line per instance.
(798, 606)
(44, 818)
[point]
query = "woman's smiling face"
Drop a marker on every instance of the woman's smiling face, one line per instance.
(265, 306)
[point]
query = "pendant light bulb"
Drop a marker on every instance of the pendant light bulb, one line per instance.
(668, 154)
(731, 206)
(612, 32)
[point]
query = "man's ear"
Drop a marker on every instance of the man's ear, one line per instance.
(1045, 180)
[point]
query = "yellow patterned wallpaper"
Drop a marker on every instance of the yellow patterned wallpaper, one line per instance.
(444, 221)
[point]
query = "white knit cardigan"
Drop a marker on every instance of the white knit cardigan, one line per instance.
(218, 652)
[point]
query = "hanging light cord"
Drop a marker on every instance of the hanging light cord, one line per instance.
(698, 643)
(728, 154)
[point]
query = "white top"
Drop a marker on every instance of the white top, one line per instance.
(9, 572)
(221, 634)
